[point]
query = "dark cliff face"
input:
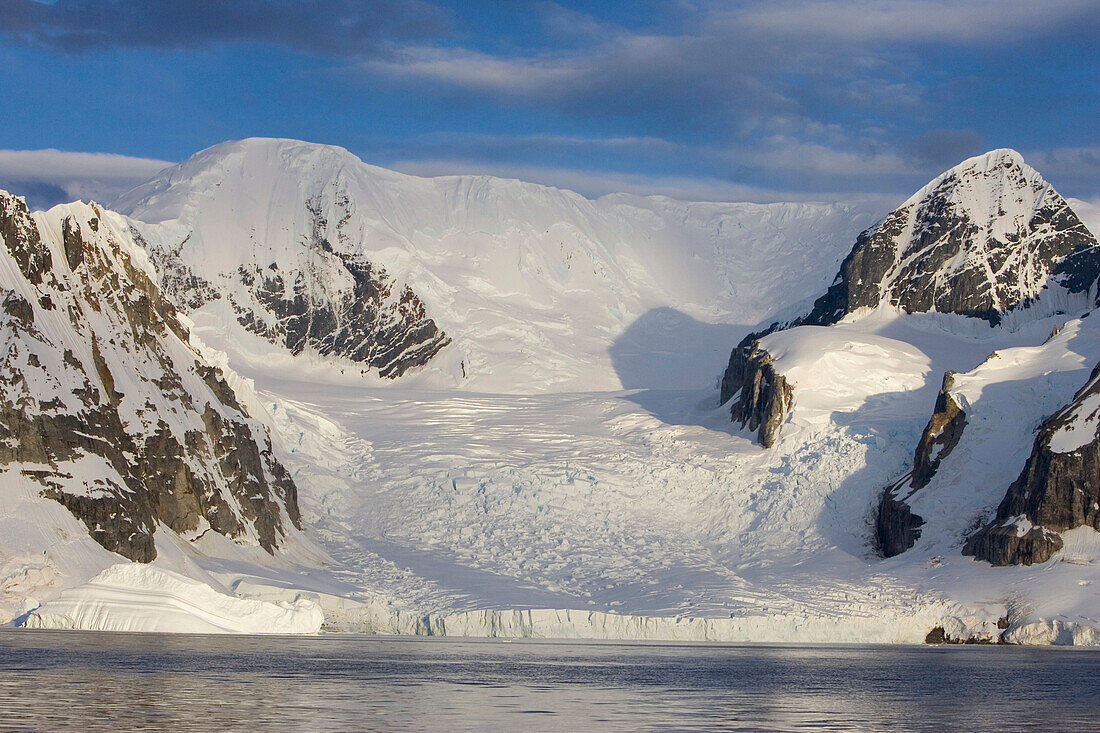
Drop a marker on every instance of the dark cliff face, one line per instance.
(329, 301)
(859, 284)
(1058, 490)
(105, 404)
(897, 528)
(763, 396)
(986, 238)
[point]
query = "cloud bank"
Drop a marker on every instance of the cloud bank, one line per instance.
(49, 177)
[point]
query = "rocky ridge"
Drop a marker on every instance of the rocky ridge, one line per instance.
(107, 404)
(763, 396)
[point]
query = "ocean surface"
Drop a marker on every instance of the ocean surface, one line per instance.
(99, 681)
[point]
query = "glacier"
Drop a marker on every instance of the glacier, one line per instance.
(562, 468)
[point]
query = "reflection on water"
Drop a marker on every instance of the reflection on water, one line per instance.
(59, 680)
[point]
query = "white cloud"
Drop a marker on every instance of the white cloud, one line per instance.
(50, 176)
(793, 156)
(475, 70)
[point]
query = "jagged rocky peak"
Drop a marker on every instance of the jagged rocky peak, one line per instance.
(106, 404)
(897, 528)
(989, 239)
(270, 233)
(1058, 490)
(984, 238)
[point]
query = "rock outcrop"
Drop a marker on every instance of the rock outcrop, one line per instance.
(105, 402)
(764, 397)
(897, 528)
(940, 436)
(986, 239)
(1058, 490)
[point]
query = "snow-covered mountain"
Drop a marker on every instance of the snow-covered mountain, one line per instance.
(496, 285)
(108, 408)
(988, 239)
(497, 403)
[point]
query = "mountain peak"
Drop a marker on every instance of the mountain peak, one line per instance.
(983, 238)
(993, 162)
(987, 187)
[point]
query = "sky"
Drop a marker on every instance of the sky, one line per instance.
(696, 99)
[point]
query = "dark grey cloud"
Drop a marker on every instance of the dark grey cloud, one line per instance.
(972, 22)
(338, 27)
(1073, 171)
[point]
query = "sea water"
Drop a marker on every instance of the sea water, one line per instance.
(100, 681)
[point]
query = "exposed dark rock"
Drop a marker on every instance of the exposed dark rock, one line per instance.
(1055, 492)
(74, 244)
(149, 472)
(19, 308)
(177, 281)
(939, 635)
(940, 436)
(217, 384)
(936, 636)
(18, 228)
(1007, 545)
(859, 284)
(763, 397)
(118, 523)
(897, 528)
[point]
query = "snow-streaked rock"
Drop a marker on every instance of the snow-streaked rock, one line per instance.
(987, 237)
(106, 403)
(1058, 489)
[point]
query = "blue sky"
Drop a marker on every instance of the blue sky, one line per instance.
(788, 99)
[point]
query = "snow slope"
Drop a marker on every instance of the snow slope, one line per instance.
(643, 503)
